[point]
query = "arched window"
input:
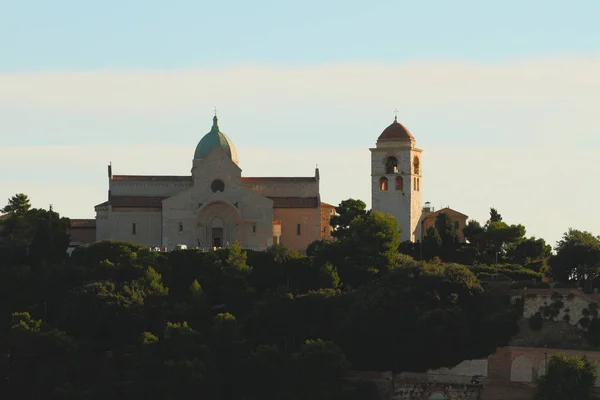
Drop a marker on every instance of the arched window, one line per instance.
(391, 165)
(415, 184)
(399, 183)
(180, 227)
(418, 184)
(383, 183)
(416, 165)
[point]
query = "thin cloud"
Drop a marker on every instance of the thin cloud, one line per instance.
(520, 136)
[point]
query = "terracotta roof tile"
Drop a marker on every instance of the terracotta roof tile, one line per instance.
(137, 201)
(444, 210)
(295, 202)
(396, 131)
(276, 222)
(278, 179)
(176, 178)
(327, 205)
(83, 223)
(4, 217)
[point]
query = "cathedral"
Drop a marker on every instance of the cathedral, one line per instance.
(215, 205)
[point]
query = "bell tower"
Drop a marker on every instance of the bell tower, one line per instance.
(396, 179)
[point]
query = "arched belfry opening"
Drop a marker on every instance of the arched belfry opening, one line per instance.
(391, 165)
(416, 165)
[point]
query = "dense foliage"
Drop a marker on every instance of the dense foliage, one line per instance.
(568, 378)
(116, 319)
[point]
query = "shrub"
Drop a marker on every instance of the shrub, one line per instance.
(536, 322)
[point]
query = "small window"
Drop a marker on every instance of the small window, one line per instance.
(133, 228)
(455, 225)
(399, 183)
(180, 227)
(415, 184)
(298, 230)
(383, 183)
(253, 228)
(418, 184)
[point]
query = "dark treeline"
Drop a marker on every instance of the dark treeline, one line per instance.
(118, 320)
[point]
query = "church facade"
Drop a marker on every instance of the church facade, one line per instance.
(214, 205)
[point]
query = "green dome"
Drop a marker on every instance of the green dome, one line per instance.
(215, 139)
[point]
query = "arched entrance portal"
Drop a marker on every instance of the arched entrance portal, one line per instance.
(217, 224)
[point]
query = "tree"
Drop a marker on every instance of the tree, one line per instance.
(236, 260)
(528, 250)
(347, 211)
(445, 227)
(568, 378)
(432, 243)
(369, 247)
(494, 216)
(475, 234)
(577, 257)
(40, 235)
(19, 204)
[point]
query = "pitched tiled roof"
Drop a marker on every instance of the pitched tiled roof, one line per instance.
(176, 178)
(5, 216)
(83, 223)
(137, 201)
(445, 210)
(327, 205)
(101, 204)
(156, 201)
(295, 202)
(278, 179)
(276, 222)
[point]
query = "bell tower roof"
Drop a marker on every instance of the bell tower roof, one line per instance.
(215, 139)
(396, 132)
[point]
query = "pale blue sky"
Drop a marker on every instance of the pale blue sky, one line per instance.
(39, 35)
(503, 97)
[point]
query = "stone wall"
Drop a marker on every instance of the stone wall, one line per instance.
(503, 390)
(409, 386)
(525, 364)
(569, 305)
(283, 187)
(467, 368)
(327, 211)
(309, 220)
(404, 204)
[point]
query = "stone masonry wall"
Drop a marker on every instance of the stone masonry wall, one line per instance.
(570, 305)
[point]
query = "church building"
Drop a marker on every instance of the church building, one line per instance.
(397, 181)
(396, 178)
(214, 205)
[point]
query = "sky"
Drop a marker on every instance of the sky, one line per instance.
(502, 97)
